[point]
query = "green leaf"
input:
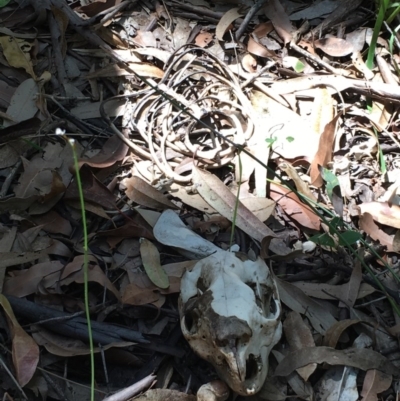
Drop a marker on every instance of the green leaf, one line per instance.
(152, 265)
(289, 139)
(271, 141)
(3, 3)
(349, 238)
(331, 181)
(299, 66)
(323, 240)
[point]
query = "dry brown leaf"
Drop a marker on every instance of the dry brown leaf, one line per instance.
(335, 47)
(66, 346)
(192, 199)
(95, 274)
(334, 333)
(294, 208)
(299, 336)
(375, 382)
(53, 223)
(134, 294)
(215, 193)
(320, 318)
(226, 21)
(114, 70)
(142, 193)
(382, 213)
(15, 56)
(159, 394)
(23, 103)
(15, 258)
(261, 207)
(94, 191)
(259, 50)
(27, 281)
(363, 359)
(152, 264)
(322, 111)
(301, 185)
(93, 8)
(330, 291)
(25, 351)
(249, 63)
(203, 39)
(324, 153)
(276, 13)
(114, 150)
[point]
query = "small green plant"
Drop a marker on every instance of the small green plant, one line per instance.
(71, 142)
(383, 7)
(338, 235)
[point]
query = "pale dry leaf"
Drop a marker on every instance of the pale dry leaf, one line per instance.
(249, 63)
(359, 64)
(23, 103)
(362, 358)
(330, 291)
(95, 274)
(366, 223)
(301, 185)
(259, 50)
(357, 39)
(15, 56)
(334, 333)
(315, 10)
(142, 193)
(226, 21)
(192, 199)
(114, 70)
(28, 281)
(382, 213)
(165, 395)
(171, 231)
(335, 47)
(324, 153)
(296, 300)
(261, 207)
(299, 336)
(294, 208)
(276, 13)
(354, 284)
(337, 383)
(87, 110)
(203, 39)
(215, 193)
(66, 346)
(302, 389)
(181, 32)
(113, 150)
(152, 265)
(322, 111)
(15, 258)
(375, 382)
(25, 351)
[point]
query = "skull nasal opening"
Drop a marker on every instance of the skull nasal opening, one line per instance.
(252, 367)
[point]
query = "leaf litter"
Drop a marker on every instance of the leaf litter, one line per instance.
(179, 107)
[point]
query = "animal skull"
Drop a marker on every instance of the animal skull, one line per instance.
(230, 309)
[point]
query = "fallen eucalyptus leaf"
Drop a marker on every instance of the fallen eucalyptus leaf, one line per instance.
(218, 195)
(363, 358)
(151, 263)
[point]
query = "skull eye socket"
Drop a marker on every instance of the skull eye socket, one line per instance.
(264, 299)
(190, 321)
